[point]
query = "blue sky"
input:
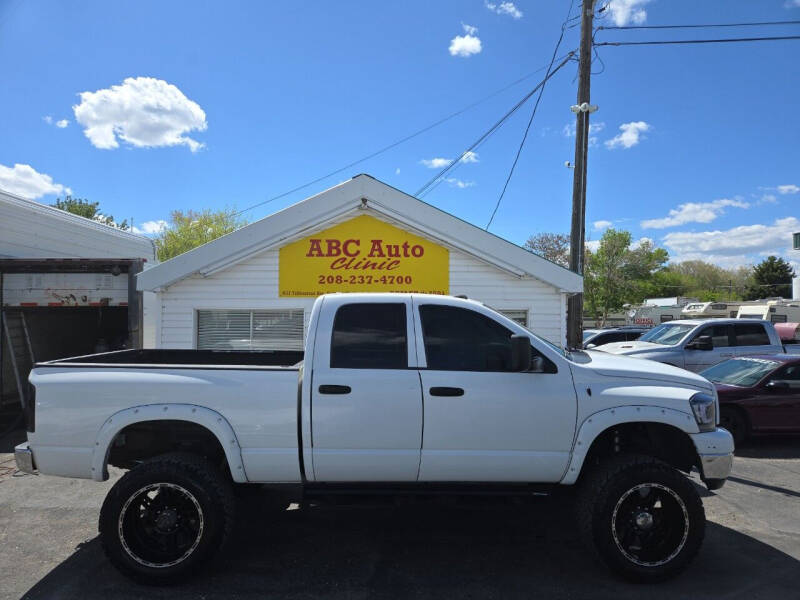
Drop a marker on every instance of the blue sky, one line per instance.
(258, 98)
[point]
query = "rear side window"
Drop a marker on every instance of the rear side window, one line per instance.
(458, 339)
(369, 336)
(750, 334)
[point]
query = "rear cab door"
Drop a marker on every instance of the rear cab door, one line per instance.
(482, 422)
(366, 398)
(752, 337)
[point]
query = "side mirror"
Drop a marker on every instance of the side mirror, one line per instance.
(777, 385)
(704, 342)
(520, 353)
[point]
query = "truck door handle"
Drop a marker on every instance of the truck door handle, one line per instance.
(334, 389)
(447, 391)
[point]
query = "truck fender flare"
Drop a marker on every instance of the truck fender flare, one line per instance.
(200, 415)
(597, 423)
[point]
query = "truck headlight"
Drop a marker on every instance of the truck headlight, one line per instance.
(705, 411)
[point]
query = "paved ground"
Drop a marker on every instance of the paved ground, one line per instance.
(49, 548)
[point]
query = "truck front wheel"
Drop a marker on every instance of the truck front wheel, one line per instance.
(164, 519)
(643, 517)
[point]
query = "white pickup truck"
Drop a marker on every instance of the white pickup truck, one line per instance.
(397, 393)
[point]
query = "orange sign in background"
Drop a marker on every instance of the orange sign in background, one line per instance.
(363, 254)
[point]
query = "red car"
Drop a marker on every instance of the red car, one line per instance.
(758, 394)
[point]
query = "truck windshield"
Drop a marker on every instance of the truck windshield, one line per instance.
(743, 372)
(666, 335)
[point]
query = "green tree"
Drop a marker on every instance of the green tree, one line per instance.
(552, 246)
(88, 210)
(617, 273)
(771, 277)
(190, 229)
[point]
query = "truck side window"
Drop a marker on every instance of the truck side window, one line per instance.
(457, 339)
(369, 336)
(750, 334)
(718, 333)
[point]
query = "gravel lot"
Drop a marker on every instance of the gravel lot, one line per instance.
(487, 549)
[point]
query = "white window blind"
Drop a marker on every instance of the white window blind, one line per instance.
(520, 316)
(250, 329)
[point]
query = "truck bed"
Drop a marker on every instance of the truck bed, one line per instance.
(186, 358)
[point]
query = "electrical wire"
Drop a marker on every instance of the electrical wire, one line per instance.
(709, 41)
(698, 26)
(393, 144)
(530, 121)
(494, 127)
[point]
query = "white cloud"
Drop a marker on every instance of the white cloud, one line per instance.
(734, 244)
(466, 45)
(767, 199)
(143, 111)
(632, 134)
(62, 123)
(602, 224)
(441, 163)
(151, 227)
(789, 188)
(506, 8)
(453, 182)
(25, 181)
(592, 245)
(436, 163)
(397, 171)
(694, 212)
(47, 119)
(625, 12)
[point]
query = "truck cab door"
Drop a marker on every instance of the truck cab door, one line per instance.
(698, 360)
(483, 422)
(366, 398)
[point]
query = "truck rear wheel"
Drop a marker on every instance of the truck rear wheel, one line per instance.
(644, 518)
(166, 518)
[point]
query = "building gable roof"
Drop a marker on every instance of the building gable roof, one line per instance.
(359, 194)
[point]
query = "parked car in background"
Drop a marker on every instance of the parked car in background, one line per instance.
(758, 394)
(598, 337)
(695, 344)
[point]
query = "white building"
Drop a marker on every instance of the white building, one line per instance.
(67, 287)
(254, 288)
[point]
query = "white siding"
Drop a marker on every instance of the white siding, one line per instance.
(253, 284)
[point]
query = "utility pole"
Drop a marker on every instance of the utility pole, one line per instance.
(581, 110)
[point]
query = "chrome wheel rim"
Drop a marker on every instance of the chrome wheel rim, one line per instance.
(160, 525)
(650, 524)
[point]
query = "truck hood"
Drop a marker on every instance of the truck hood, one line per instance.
(624, 367)
(633, 347)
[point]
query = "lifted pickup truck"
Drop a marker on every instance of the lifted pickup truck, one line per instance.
(398, 393)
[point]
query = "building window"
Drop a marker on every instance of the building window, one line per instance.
(520, 316)
(250, 329)
(796, 241)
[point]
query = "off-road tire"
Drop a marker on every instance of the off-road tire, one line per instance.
(207, 489)
(607, 486)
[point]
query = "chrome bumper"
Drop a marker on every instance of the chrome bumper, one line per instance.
(715, 450)
(24, 458)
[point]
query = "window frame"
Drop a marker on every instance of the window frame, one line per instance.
(251, 317)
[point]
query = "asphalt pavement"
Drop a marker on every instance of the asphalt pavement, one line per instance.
(478, 549)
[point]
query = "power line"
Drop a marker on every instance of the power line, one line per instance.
(494, 127)
(698, 26)
(710, 41)
(393, 144)
(530, 121)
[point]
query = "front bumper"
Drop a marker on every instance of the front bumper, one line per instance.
(715, 450)
(24, 458)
